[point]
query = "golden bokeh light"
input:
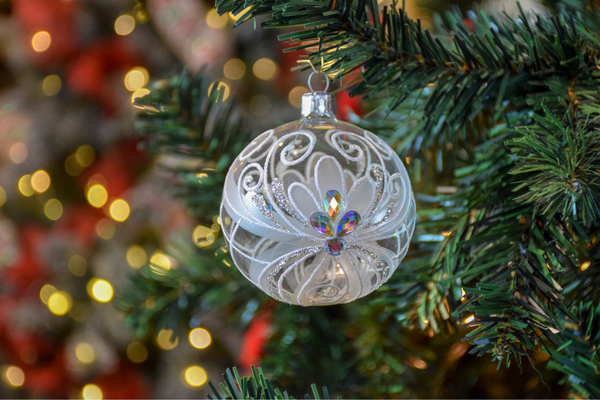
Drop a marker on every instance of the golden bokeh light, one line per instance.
(85, 353)
(215, 21)
(149, 303)
(77, 265)
(85, 155)
(195, 376)
(265, 69)
(18, 152)
(72, 167)
(91, 392)
(163, 340)
(124, 25)
(53, 209)
(203, 236)
(139, 93)
(223, 88)
(46, 292)
(106, 228)
(200, 338)
(136, 256)
(101, 290)
(25, 185)
(585, 265)
(119, 210)
(160, 263)
(136, 79)
(40, 180)
(59, 303)
(97, 195)
(51, 85)
(137, 352)
(295, 96)
(469, 319)
(234, 69)
(13, 376)
(41, 41)
(2, 196)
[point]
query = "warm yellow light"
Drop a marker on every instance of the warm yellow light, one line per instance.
(13, 376)
(91, 392)
(106, 228)
(200, 338)
(101, 290)
(136, 256)
(25, 185)
(469, 319)
(85, 155)
(215, 21)
(420, 364)
(97, 195)
(18, 152)
(195, 376)
(585, 265)
(41, 41)
(51, 85)
(136, 78)
(77, 265)
(149, 303)
(160, 263)
(119, 210)
(265, 69)
(139, 93)
(137, 352)
(163, 339)
(85, 353)
(223, 88)
(40, 181)
(72, 167)
(59, 303)
(53, 209)
(46, 292)
(124, 25)
(295, 96)
(234, 69)
(2, 196)
(203, 236)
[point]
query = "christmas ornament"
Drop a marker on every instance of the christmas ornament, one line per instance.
(317, 211)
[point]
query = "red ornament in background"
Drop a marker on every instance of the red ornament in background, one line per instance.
(255, 338)
(28, 268)
(123, 383)
(346, 105)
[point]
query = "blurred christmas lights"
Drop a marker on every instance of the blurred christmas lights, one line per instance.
(163, 340)
(53, 209)
(18, 152)
(60, 303)
(137, 352)
(160, 263)
(91, 392)
(25, 185)
(215, 21)
(106, 228)
(84, 155)
(200, 338)
(13, 376)
(40, 181)
(124, 25)
(51, 85)
(203, 236)
(265, 69)
(119, 210)
(295, 96)
(41, 41)
(97, 195)
(77, 265)
(195, 376)
(136, 256)
(234, 69)
(85, 353)
(46, 292)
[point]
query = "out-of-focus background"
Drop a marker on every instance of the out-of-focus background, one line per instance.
(83, 208)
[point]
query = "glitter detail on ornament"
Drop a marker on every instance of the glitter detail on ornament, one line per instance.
(333, 203)
(349, 222)
(321, 222)
(335, 246)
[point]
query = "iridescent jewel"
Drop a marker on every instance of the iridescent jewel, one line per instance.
(349, 222)
(321, 222)
(335, 246)
(333, 203)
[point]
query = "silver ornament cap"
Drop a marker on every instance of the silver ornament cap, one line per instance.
(318, 104)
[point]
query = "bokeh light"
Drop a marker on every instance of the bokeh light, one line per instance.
(215, 21)
(160, 263)
(139, 93)
(137, 352)
(85, 353)
(101, 290)
(124, 25)
(18, 152)
(51, 85)
(200, 338)
(2, 196)
(295, 96)
(25, 185)
(136, 256)
(91, 392)
(265, 69)
(59, 303)
(40, 180)
(203, 236)
(195, 375)
(136, 78)
(119, 210)
(223, 88)
(53, 209)
(72, 167)
(106, 228)
(585, 265)
(97, 195)
(77, 265)
(41, 41)
(234, 69)
(163, 340)
(85, 155)
(13, 376)
(46, 292)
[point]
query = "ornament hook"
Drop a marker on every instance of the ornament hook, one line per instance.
(318, 72)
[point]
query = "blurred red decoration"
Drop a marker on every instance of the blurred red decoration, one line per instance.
(255, 339)
(123, 383)
(346, 105)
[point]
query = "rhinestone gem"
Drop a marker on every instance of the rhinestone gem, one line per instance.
(348, 223)
(321, 222)
(333, 203)
(335, 246)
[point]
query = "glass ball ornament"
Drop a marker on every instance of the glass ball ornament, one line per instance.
(317, 211)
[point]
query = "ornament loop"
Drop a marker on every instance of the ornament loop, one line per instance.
(318, 73)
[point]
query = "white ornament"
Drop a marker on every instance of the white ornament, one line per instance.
(317, 211)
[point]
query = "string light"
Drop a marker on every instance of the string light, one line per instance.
(139, 93)
(40, 181)
(136, 256)
(234, 69)
(216, 21)
(163, 339)
(25, 185)
(160, 263)
(119, 210)
(106, 228)
(265, 69)
(41, 41)
(97, 195)
(585, 265)
(100, 290)
(72, 167)
(195, 376)
(13, 376)
(136, 78)
(223, 88)
(469, 319)
(53, 209)
(85, 353)
(51, 85)
(85, 155)
(295, 96)
(124, 25)
(59, 303)
(18, 152)
(200, 338)
(416, 363)
(46, 292)
(91, 392)
(137, 352)
(77, 265)
(203, 236)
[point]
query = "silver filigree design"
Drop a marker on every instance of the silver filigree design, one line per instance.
(271, 285)
(388, 213)
(259, 202)
(282, 200)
